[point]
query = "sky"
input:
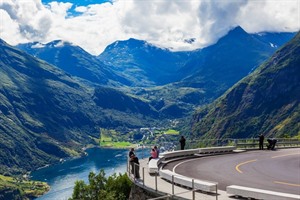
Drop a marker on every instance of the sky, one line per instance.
(174, 24)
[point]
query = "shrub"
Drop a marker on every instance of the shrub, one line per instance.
(115, 187)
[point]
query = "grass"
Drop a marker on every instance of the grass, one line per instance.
(297, 136)
(107, 141)
(27, 188)
(172, 132)
(116, 144)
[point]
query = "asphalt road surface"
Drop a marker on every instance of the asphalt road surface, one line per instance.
(277, 170)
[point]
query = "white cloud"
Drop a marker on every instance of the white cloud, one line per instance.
(271, 15)
(167, 23)
(216, 18)
(9, 29)
(81, 9)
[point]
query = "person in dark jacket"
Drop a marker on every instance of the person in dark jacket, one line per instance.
(182, 142)
(131, 152)
(135, 166)
(261, 142)
(272, 143)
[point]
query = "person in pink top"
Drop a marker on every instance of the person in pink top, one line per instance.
(157, 151)
(153, 154)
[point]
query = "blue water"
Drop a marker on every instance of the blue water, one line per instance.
(61, 177)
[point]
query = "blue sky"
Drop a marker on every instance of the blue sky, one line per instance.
(79, 2)
(94, 24)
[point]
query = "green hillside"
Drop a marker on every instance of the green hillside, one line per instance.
(267, 101)
(19, 188)
(32, 131)
(47, 115)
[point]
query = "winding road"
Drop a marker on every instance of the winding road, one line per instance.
(277, 170)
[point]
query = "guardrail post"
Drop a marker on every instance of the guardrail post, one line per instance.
(156, 182)
(128, 170)
(193, 193)
(172, 184)
(134, 170)
(143, 176)
(216, 191)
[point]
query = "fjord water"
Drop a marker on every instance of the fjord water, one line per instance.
(62, 177)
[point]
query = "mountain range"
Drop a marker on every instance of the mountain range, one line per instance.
(56, 96)
(173, 82)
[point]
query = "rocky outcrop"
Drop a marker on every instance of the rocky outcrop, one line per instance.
(13, 194)
(138, 193)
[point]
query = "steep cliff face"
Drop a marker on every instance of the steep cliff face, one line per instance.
(267, 101)
(15, 194)
(138, 193)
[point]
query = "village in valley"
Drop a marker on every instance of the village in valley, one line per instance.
(165, 137)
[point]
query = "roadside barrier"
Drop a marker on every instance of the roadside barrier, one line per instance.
(188, 182)
(252, 143)
(157, 176)
(153, 165)
(180, 187)
(176, 180)
(255, 193)
(241, 143)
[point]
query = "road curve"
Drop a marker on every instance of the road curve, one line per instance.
(270, 170)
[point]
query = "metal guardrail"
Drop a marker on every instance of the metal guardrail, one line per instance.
(152, 181)
(253, 143)
(244, 143)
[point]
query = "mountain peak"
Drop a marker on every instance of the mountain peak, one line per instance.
(131, 42)
(58, 43)
(237, 31)
(235, 34)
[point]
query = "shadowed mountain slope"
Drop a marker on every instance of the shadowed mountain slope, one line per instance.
(143, 63)
(75, 61)
(267, 101)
